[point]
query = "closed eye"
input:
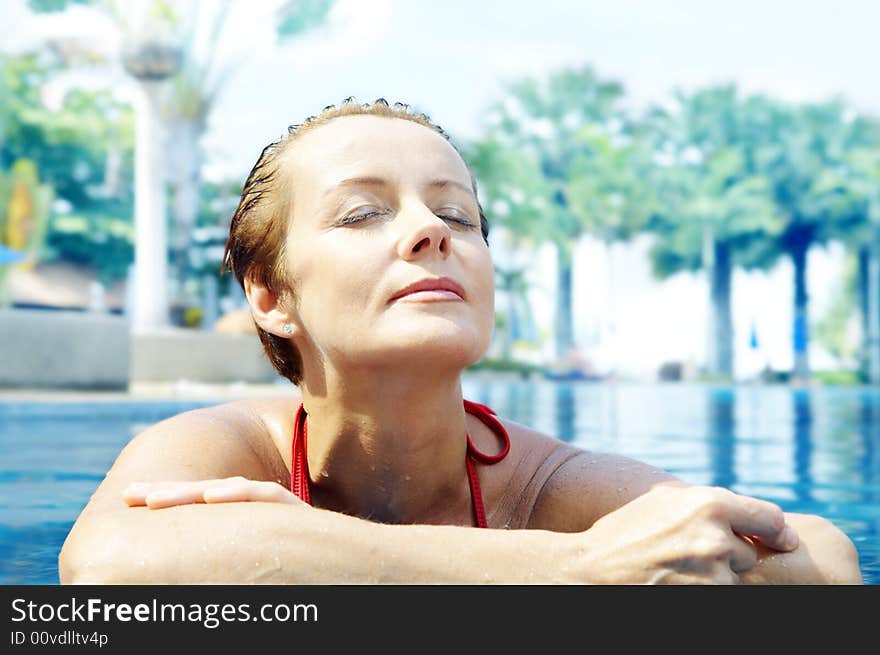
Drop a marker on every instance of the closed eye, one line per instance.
(355, 218)
(365, 216)
(455, 219)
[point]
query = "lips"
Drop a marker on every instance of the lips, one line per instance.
(431, 284)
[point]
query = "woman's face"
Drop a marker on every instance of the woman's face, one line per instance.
(379, 204)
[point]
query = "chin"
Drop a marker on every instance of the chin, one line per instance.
(448, 351)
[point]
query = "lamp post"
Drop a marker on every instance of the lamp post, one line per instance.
(151, 56)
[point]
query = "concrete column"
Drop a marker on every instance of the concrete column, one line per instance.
(150, 299)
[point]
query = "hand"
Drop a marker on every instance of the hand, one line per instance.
(157, 495)
(684, 535)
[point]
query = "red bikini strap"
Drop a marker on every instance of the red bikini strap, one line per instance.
(487, 415)
(299, 466)
(299, 462)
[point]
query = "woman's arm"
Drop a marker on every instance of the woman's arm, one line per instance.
(825, 556)
(278, 542)
(609, 494)
(271, 542)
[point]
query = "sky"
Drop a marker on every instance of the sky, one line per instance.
(452, 59)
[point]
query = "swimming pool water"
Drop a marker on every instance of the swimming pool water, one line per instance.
(813, 451)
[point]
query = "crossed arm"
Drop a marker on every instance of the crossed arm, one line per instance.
(226, 518)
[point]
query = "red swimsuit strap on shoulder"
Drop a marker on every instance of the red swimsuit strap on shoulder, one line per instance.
(299, 475)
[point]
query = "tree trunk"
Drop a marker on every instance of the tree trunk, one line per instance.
(863, 289)
(564, 315)
(872, 309)
(186, 184)
(506, 333)
(513, 328)
(721, 275)
(800, 335)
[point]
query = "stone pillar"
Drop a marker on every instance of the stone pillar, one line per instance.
(150, 308)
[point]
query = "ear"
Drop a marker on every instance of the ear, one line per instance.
(267, 309)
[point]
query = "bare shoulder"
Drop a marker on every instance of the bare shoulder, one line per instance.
(586, 485)
(274, 412)
(224, 440)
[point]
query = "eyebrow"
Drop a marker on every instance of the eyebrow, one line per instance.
(439, 184)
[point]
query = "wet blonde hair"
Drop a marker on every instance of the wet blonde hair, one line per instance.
(255, 247)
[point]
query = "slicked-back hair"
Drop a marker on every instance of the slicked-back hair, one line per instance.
(255, 248)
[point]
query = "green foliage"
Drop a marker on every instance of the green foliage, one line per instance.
(49, 6)
(838, 378)
(99, 241)
(25, 205)
(70, 147)
(192, 316)
(555, 162)
(810, 155)
(704, 183)
(831, 329)
(505, 366)
(298, 16)
(5, 195)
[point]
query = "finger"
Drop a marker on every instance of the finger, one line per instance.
(135, 494)
(788, 540)
(228, 492)
(172, 497)
(250, 491)
(270, 492)
(726, 576)
(166, 493)
(169, 494)
(762, 520)
(744, 555)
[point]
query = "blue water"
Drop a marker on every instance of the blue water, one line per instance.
(813, 451)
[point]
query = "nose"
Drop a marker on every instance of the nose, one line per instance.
(423, 233)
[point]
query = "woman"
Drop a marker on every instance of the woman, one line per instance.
(362, 249)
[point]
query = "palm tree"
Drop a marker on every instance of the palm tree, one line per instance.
(711, 208)
(555, 158)
(187, 107)
(800, 150)
(193, 95)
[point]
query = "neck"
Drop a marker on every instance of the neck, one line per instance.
(390, 448)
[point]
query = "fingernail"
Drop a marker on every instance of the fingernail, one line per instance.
(791, 539)
(157, 498)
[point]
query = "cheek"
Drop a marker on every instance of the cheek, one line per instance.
(335, 282)
(484, 282)
(485, 270)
